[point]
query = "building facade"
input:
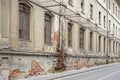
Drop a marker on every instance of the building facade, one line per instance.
(37, 29)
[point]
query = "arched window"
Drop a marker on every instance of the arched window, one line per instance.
(24, 21)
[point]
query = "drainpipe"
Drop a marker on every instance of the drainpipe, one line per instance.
(107, 55)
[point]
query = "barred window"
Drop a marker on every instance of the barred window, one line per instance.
(47, 30)
(69, 34)
(82, 38)
(24, 21)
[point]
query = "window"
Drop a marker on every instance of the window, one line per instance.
(109, 4)
(24, 21)
(99, 43)
(4, 60)
(47, 30)
(116, 47)
(113, 28)
(99, 18)
(109, 25)
(104, 44)
(104, 21)
(116, 30)
(91, 36)
(109, 46)
(116, 11)
(82, 5)
(113, 47)
(113, 8)
(81, 38)
(70, 2)
(91, 11)
(118, 14)
(69, 34)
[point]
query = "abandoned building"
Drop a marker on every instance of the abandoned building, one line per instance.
(36, 30)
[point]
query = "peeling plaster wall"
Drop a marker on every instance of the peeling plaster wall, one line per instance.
(9, 33)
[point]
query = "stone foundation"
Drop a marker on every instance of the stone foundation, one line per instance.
(23, 66)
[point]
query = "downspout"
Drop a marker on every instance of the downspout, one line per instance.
(107, 55)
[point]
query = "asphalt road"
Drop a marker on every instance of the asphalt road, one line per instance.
(108, 73)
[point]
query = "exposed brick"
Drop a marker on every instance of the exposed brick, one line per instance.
(14, 73)
(36, 69)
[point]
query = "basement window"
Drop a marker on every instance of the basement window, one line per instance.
(4, 60)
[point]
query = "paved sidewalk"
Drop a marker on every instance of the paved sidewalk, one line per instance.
(69, 73)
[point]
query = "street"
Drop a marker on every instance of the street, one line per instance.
(108, 73)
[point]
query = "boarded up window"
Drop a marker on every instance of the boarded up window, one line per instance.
(69, 34)
(24, 21)
(47, 31)
(81, 38)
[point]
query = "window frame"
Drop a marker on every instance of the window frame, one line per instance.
(104, 44)
(99, 18)
(104, 21)
(24, 31)
(82, 6)
(48, 19)
(70, 26)
(91, 40)
(81, 38)
(91, 11)
(99, 49)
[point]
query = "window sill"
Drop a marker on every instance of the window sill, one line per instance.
(48, 44)
(24, 40)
